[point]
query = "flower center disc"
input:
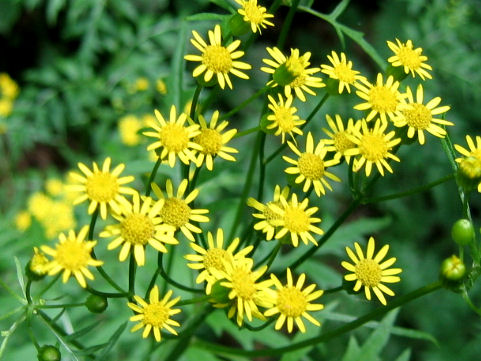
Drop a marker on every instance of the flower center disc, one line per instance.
(344, 73)
(296, 220)
(137, 229)
(369, 273)
(214, 258)
(342, 142)
(72, 255)
(409, 57)
(102, 187)
(418, 116)
(174, 137)
(373, 147)
(175, 212)
(243, 284)
(210, 140)
(311, 166)
(270, 214)
(291, 302)
(156, 314)
(217, 59)
(284, 119)
(254, 13)
(383, 99)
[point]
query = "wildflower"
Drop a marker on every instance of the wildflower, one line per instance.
(283, 117)
(38, 263)
(161, 86)
(176, 210)
(470, 164)
(39, 205)
(340, 136)
(54, 187)
(295, 219)
(217, 59)
(213, 142)
(267, 216)
(373, 146)
(23, 220)
(370, 271)
(8, 87)
(156, 314)
(6, 107)
(59, 217)
(101, 186)
(72, 254)
(311, 166)
(212, 260)
(409, 58)
(382, 98)
(173, 137)
(342, 71)
(129, 126)
(141, 84)
(139, 224)
(292, 302)
(419, 117)
(254, 14)
(293, 72)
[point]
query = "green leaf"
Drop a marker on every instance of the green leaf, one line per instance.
(207, 17)
(112, 340)
(352, 351)
(358, 37)
(21, 280)
(339, 9)
(7, 334)
(53, 9)
(405, 356)
(177, 65)
(83, 331)
(224, 4)
(378, 339)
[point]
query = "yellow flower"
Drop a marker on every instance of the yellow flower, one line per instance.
(101, 186)
(39, 205)
(8, 87)
(54, 187)
(38, 263)
(474, 149)
(129, 126)
(173, 138)
(23, 220)
(217, 59)
(6, 106)
(382, 98)
(409, 58)
(295, 219)
(342, 71)
(311, 166)
(72, 254)
(139, 224)
(284, 117)
(255, 14)
(374, 147)
(267, 216)
(419, 117)
(141, 84)
(59, 217)
(213, 142)
(340, 136)
(293, 72)
(471, 161)
(214, 257)
(156, 314)
(176, 210)
(161, 86)
(370, 271)
(292, 302)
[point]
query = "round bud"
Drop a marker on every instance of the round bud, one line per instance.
(237, 25)
(283, 75)
(48, 353)
(453, 269)
(264, 123)
(219, 295)
(462, 232)
(96, 304)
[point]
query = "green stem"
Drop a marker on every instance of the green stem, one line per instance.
(59, 330)
(65, 305)
(132, 272)
(148, 186)
(107, 294)
(244, 103)
(50, 284)
(168, 280)
(246, 132)
(380, 311)
(193, 300)
(270, 257)
(195, 100)
(287, 24)
(333, 290)
(262, 167)
(27, 291)
(410, 191)
(259, 328)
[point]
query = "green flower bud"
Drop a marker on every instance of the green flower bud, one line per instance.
(453, 269)
(264, 122)
(397, 72)
(237, 25)
(219, 295)
(96, 304)
(284, 76)
(48, 353)
(462, 232)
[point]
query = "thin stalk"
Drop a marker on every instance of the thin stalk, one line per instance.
(132, 272)
(247, 132)
(287, 24)
(148, 186)
(333, 290)
(195, 100)
(193, 300)
(262, 167)
(107, 294)
(244, 103)
(269, 258)
(168, 280)
(65, 305)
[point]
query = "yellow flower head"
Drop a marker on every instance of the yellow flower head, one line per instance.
(340, 136)
(161, 86)
(371, 271)
(141, 84)
(293, 72)
(217, 59)
(342, 71)
(6, 106)
(23, 220)
(59, 217)
(176, 211)
(8, 87)
(154, 315)
(292, 302)
(311, 166)
(173, 138)
(268, 217)
(409, 58)
(295, 219)
(254, 14)
(139, 224)
(284, 118)
(72, 254)
(54, 187)
(129, 126)
(38, 262)
(213, 142)
(419, 117)
(373, 147)
(212, 260)
(382, 98)
(39, 205)
(471, 160)
(101, 186)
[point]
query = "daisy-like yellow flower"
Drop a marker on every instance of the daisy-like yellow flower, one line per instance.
(173, 138)
(340, 136)
(254, 14)
(267, 216)
(293, 72)
(23, 220)
(371, 271)
(470, 163)
(419, 117)
(8, 87)
(72, 254)
(217, 59)
(139, 224)
(176, 211)
(245, 292)
(129, 126)
(284, 118)
(381, 98)
(213, 142)
(101, 187)
(38, 264)
(374, 147)
(292, 302)
(295, 219)
(212, 260)
(156, 314)
(409, 58)
(342, 71)
(311, 166)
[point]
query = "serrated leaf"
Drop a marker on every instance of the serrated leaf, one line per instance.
(207, 17)
(378, 339)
